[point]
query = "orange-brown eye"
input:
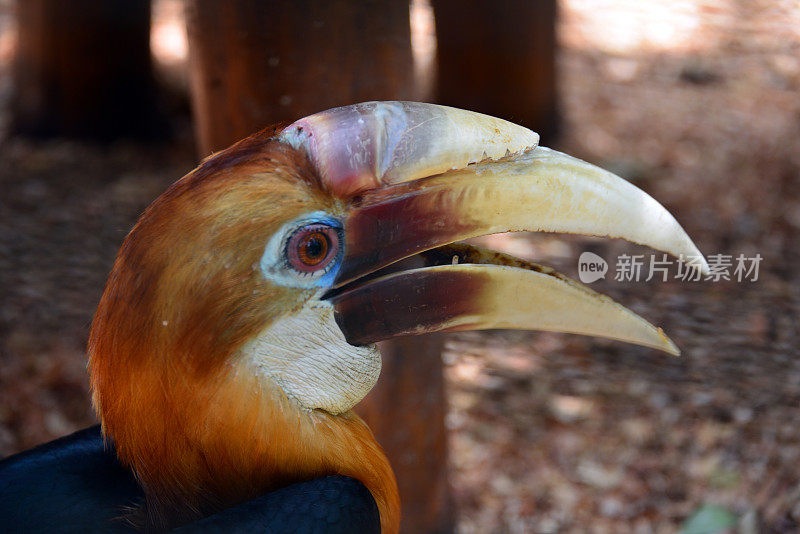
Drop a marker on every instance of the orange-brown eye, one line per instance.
(311, 248)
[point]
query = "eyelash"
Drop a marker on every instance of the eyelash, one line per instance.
(321, 239)
(334, 237)
(276, 261)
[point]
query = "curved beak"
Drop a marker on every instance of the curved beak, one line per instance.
(419, 177)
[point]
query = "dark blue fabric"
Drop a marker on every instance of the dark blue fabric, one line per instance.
(74, 484)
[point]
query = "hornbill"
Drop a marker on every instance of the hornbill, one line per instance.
(237, 327)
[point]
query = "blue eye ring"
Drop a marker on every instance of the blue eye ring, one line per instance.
(311, 248)
(306, 252)
(314, 247)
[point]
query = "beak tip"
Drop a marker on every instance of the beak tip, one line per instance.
(702, 264)
(667, 345)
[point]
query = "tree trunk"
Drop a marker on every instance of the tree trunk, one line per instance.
(255, 63)
(499, 58)
(406, 411)
(83, 69)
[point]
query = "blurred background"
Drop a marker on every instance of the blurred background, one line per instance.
(104, 104)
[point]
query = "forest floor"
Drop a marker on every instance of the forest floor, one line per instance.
(698, 103)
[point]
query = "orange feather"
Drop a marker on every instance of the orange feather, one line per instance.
(200, 432)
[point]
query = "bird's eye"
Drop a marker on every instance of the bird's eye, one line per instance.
(305, 252)
(312, 248)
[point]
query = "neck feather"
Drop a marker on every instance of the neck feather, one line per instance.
(208, 446)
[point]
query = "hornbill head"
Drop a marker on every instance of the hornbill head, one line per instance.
(237, 327)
